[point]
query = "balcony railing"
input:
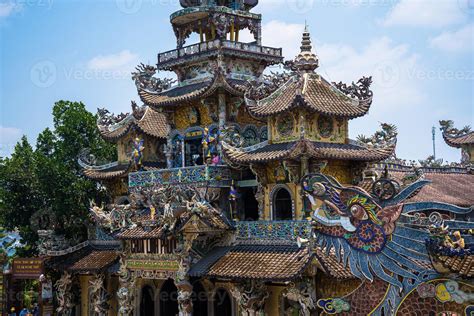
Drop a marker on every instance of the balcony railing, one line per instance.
(212, 176)
(283, 230)
(210, 46)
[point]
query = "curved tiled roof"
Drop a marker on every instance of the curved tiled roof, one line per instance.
(312, 92)
(313, 149)
(152, 123)
(190, 92)
(86, 260)
(258, 262)
(108, 173)
(445, 187)
(140, 232)
(458, 141)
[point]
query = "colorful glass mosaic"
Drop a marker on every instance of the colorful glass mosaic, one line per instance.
(215, 176)
(289, 230)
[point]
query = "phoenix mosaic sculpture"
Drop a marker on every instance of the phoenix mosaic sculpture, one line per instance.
(374, 238)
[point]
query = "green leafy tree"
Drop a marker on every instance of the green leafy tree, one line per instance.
(44, 188)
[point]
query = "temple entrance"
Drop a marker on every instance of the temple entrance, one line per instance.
(168, 299)
(249, 210)
(147, 304)
(282, 205)
(222, 303)
(199, 300)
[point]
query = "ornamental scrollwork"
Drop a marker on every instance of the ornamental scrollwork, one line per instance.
(143, 77)
(360, 90)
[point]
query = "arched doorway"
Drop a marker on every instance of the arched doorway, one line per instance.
(222, 303)
(282, 205)
(169, 299)
(147, 303)
(199, 300)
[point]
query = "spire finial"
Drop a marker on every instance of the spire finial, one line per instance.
(306, 60)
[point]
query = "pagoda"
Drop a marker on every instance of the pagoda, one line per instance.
(239, 192)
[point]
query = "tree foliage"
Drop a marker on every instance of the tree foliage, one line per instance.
(43, 188)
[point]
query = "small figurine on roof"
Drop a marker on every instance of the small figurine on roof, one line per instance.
(137, 153)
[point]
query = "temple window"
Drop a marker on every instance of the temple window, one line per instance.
(153, 246)
(282, 205)
(250, 136)
(222, 303)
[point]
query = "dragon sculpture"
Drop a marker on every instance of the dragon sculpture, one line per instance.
(447, 127)
(267, 84)
(303, 295)
(385, 137)
(99, 295)
(374, 238)
(143, 77)
(118, 218)
(125, 293)
(360, 90)
(250, 296)
(64, 294)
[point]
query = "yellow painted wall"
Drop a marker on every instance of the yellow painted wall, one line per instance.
(272, 304)
(295, 193)
(183, 116)
(84, 282)
(310, 123)
(152, 151)
(112, 288)
(339, 170)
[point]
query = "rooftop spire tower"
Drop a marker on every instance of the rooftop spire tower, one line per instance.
(306, 60)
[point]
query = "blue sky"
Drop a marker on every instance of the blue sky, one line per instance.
(420, 53)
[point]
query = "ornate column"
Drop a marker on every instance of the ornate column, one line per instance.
(251, 296)
(222, 115)
(169, 153)
(222, 108)
(125, 294)
(99, 295)
(303, 295)
(63, 294)
(185, 303)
